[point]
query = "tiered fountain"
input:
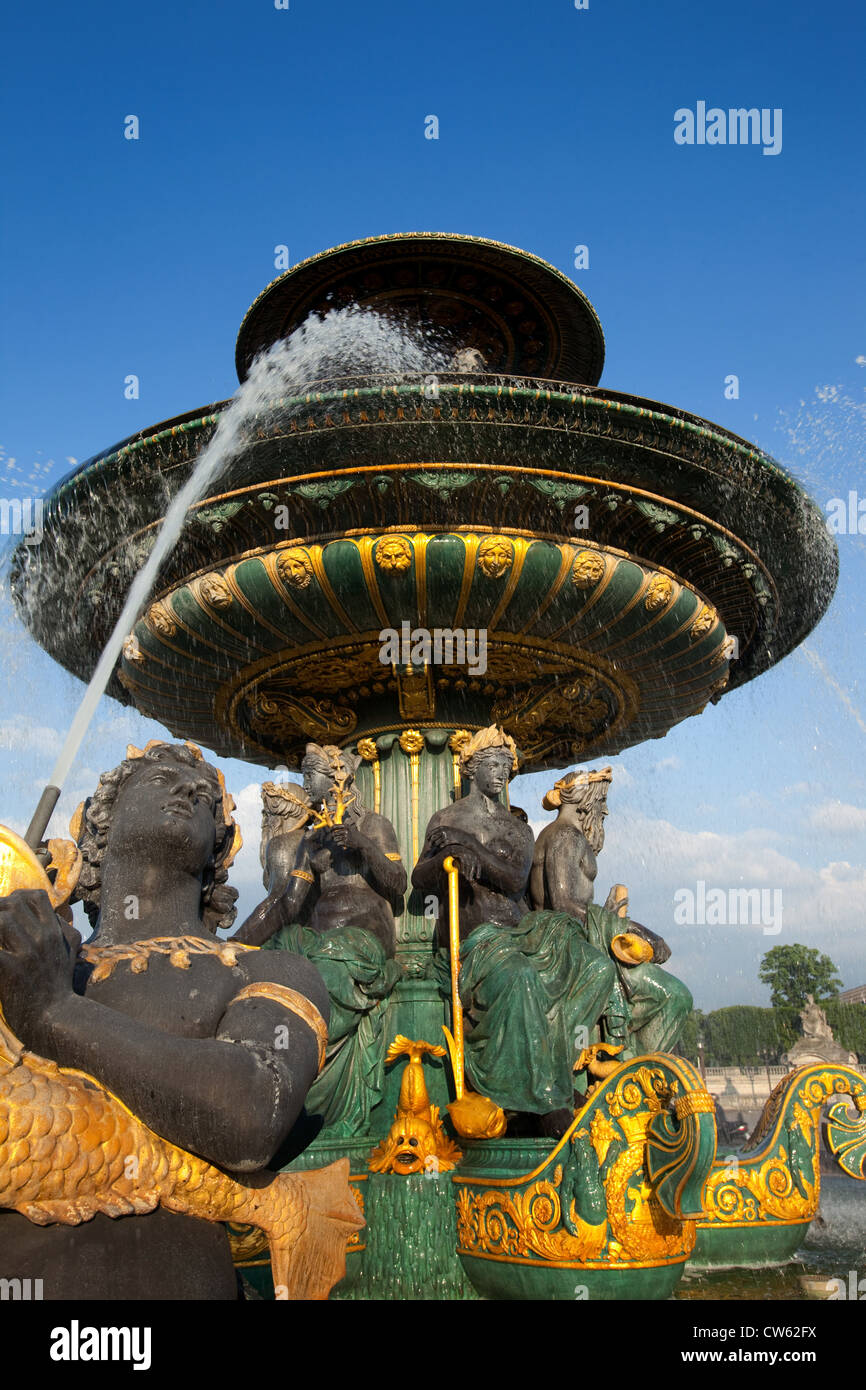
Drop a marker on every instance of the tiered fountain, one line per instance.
(628, 563)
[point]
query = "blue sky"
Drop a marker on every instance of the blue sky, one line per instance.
(305, 126)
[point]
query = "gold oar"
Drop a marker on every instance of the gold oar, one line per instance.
(455, 1042)
(474, 1116)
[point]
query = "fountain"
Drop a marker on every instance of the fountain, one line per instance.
(410, 549)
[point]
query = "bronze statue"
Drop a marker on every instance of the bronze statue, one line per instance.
(533, 988)
(286, 811)
(180, 1041)
(648, 1006)
(335, 880)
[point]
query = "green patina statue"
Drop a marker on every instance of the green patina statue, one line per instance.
(532, 985)
(335, 879)
(647, 1006)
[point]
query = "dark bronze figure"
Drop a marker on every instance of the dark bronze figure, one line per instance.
(211, 1046)
(533, 988)
(335, 880)
(647, 1006)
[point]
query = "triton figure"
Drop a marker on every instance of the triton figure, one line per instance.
(188, 1043)
(648, 1006)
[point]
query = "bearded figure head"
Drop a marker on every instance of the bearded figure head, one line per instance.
(586, 793)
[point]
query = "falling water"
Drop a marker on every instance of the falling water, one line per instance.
(824, 447)
(349, 339)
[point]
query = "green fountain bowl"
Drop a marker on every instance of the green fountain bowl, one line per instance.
(501, 1172)
(608, 546)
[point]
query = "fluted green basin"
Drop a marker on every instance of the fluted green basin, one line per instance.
(619, 654)
(607, 546)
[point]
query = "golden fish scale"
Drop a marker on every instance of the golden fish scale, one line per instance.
(69, 1149)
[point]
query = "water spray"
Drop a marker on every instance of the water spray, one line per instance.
(361, 338)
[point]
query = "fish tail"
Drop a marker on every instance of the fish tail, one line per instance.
(412, 1049)
(308, 1241)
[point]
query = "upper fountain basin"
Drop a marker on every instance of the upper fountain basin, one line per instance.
(520, 313)
(651, 494)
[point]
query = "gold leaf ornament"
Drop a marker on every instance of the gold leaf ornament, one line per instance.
(161, 619)
(587, 570)
(393, 553)
(659, 593)
(495, 556)
(215, 591)
(295, 567)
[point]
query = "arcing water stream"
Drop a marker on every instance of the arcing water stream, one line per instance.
(348, 339)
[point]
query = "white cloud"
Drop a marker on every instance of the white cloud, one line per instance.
(24, 735)
(246, 873)
(839, 818)
(821, 906)
(248, 812)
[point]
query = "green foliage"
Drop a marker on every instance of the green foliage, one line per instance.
(691, 1033)
(746, 1036)
(792, 972)
(848, 1022)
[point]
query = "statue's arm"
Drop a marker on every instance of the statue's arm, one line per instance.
(377, 845)
(428, 872)
(661, 949)
(232, 1099)
(507, 874)
(290, 882)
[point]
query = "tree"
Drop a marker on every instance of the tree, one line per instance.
(691, 1034)
(792, 972)
(744, 1035)
(848, 1022)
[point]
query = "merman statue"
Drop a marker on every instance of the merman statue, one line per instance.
(335, 880)
(533, 988)
(163, 1067)
(648, 1006)
(286, 812)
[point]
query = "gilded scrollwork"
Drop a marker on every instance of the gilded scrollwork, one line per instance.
(285, 717)
(524, 1223)
(595, 1201)
(777, 1176)
(757, 1192)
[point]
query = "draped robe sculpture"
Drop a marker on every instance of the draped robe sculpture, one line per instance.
(648, 1006)
(334, 882)
(533, 988)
